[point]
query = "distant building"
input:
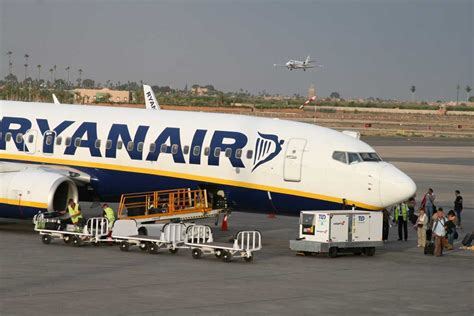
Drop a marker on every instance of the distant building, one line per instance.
(101, 95)
(198, 90)
(311, 91)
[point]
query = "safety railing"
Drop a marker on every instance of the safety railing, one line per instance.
(248, 240)
(162, 203)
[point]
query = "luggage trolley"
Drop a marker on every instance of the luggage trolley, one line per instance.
(199, 239)
(94, 231)
(171, 236)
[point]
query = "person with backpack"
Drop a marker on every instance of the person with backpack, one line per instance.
(458, 206)
(451, 229)
(428, 203)
(439, 232)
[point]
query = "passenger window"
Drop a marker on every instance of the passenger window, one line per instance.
(130, 146)
(77, 142)
(353, 158)
(339, 156)
(196, 150)
(59, 140)
(140, 146)
(217, 152)
(163, 148)
(49, 140)
(186, 149)
(206, 151)
(19, 138)
(97, 143)
(108, 144)
(152, 147)
(8, 136)
(249, 154)
(228, 152)
(68, 141)
(31, 138)
(238, 153)
(174, 149)
(119, 144)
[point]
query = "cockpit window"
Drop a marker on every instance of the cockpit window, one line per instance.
(339, 156)
(370, 157)
(353, 158)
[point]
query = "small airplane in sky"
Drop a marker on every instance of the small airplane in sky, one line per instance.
(298, 64)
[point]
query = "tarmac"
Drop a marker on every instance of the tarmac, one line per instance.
(58, 279)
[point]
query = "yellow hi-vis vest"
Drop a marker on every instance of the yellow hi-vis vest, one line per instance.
(109, 214)
(404, 211)
(74, 213)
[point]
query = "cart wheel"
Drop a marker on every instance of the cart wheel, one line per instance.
(96, 244)
(218, 253)
(144, 246)
(152, 248)
(173, 250)
(369, 251)
(332, 252)
(67, 239)
(226, 256)
(248, 259)
(196, 253)
(124, 246)
(46, 239)
(76, 241)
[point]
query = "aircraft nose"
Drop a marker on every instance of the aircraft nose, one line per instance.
(395, 186)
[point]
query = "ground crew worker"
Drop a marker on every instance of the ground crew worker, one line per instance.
(74, 210)
(109, 214)
(401, 217)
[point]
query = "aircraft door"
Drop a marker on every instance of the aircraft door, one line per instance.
(293, 159)
(49, 137)
(29, 141)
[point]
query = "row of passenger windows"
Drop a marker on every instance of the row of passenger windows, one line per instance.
(352, 158)
(131, 145)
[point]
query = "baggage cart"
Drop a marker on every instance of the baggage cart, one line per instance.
(171, 236)
(199, 238)
(334, 232)
(94, 231)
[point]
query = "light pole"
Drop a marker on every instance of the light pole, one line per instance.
(457, 94)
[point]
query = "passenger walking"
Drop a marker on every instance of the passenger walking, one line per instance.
(411, 210)
(386, 224)
(439, 232)
(109, 214)
(401, 218)
(428, 202)
(451, 229)
(458, 206)
(421, 225)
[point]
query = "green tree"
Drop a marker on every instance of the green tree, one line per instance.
(88, 83)
(39, 72)
(412, 89)
(468, 92)
(335, 95)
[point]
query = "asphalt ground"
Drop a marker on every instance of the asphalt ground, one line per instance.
(58, 279)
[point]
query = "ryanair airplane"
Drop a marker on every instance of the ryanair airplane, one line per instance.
(52, 152)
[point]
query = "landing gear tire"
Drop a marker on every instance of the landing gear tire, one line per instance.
(332, 252)
(173, 250)
(76, 241)
(369, 251)
(196, 253)
(152, 249)
(124, 246)
(226, 256)
(46, 239)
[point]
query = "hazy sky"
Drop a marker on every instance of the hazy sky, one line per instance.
(368, 48)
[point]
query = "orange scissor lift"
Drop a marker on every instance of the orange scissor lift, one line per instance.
(166, 205)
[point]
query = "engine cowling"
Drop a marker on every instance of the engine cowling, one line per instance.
(24, 193)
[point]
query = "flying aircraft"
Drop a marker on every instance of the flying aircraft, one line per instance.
(297, 64)
(49, 156)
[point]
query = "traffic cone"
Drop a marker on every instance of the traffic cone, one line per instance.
(271, 215)
(224, 223)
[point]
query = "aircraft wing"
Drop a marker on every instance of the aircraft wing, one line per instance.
(150, 99)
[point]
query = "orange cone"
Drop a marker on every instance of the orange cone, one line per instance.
(224, 223)
(271, 215)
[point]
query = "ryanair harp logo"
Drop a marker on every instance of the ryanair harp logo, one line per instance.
(267, 147)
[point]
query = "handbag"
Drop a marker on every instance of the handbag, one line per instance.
(455, 236)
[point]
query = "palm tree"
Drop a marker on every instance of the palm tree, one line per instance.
(51, 73)
(457, 94)
(80, 77)
(54, 67)
(39, 72)
(468, 92)
(10, 64)
(67, 69)
(26, 70)
(412, 89)
(26, 64)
